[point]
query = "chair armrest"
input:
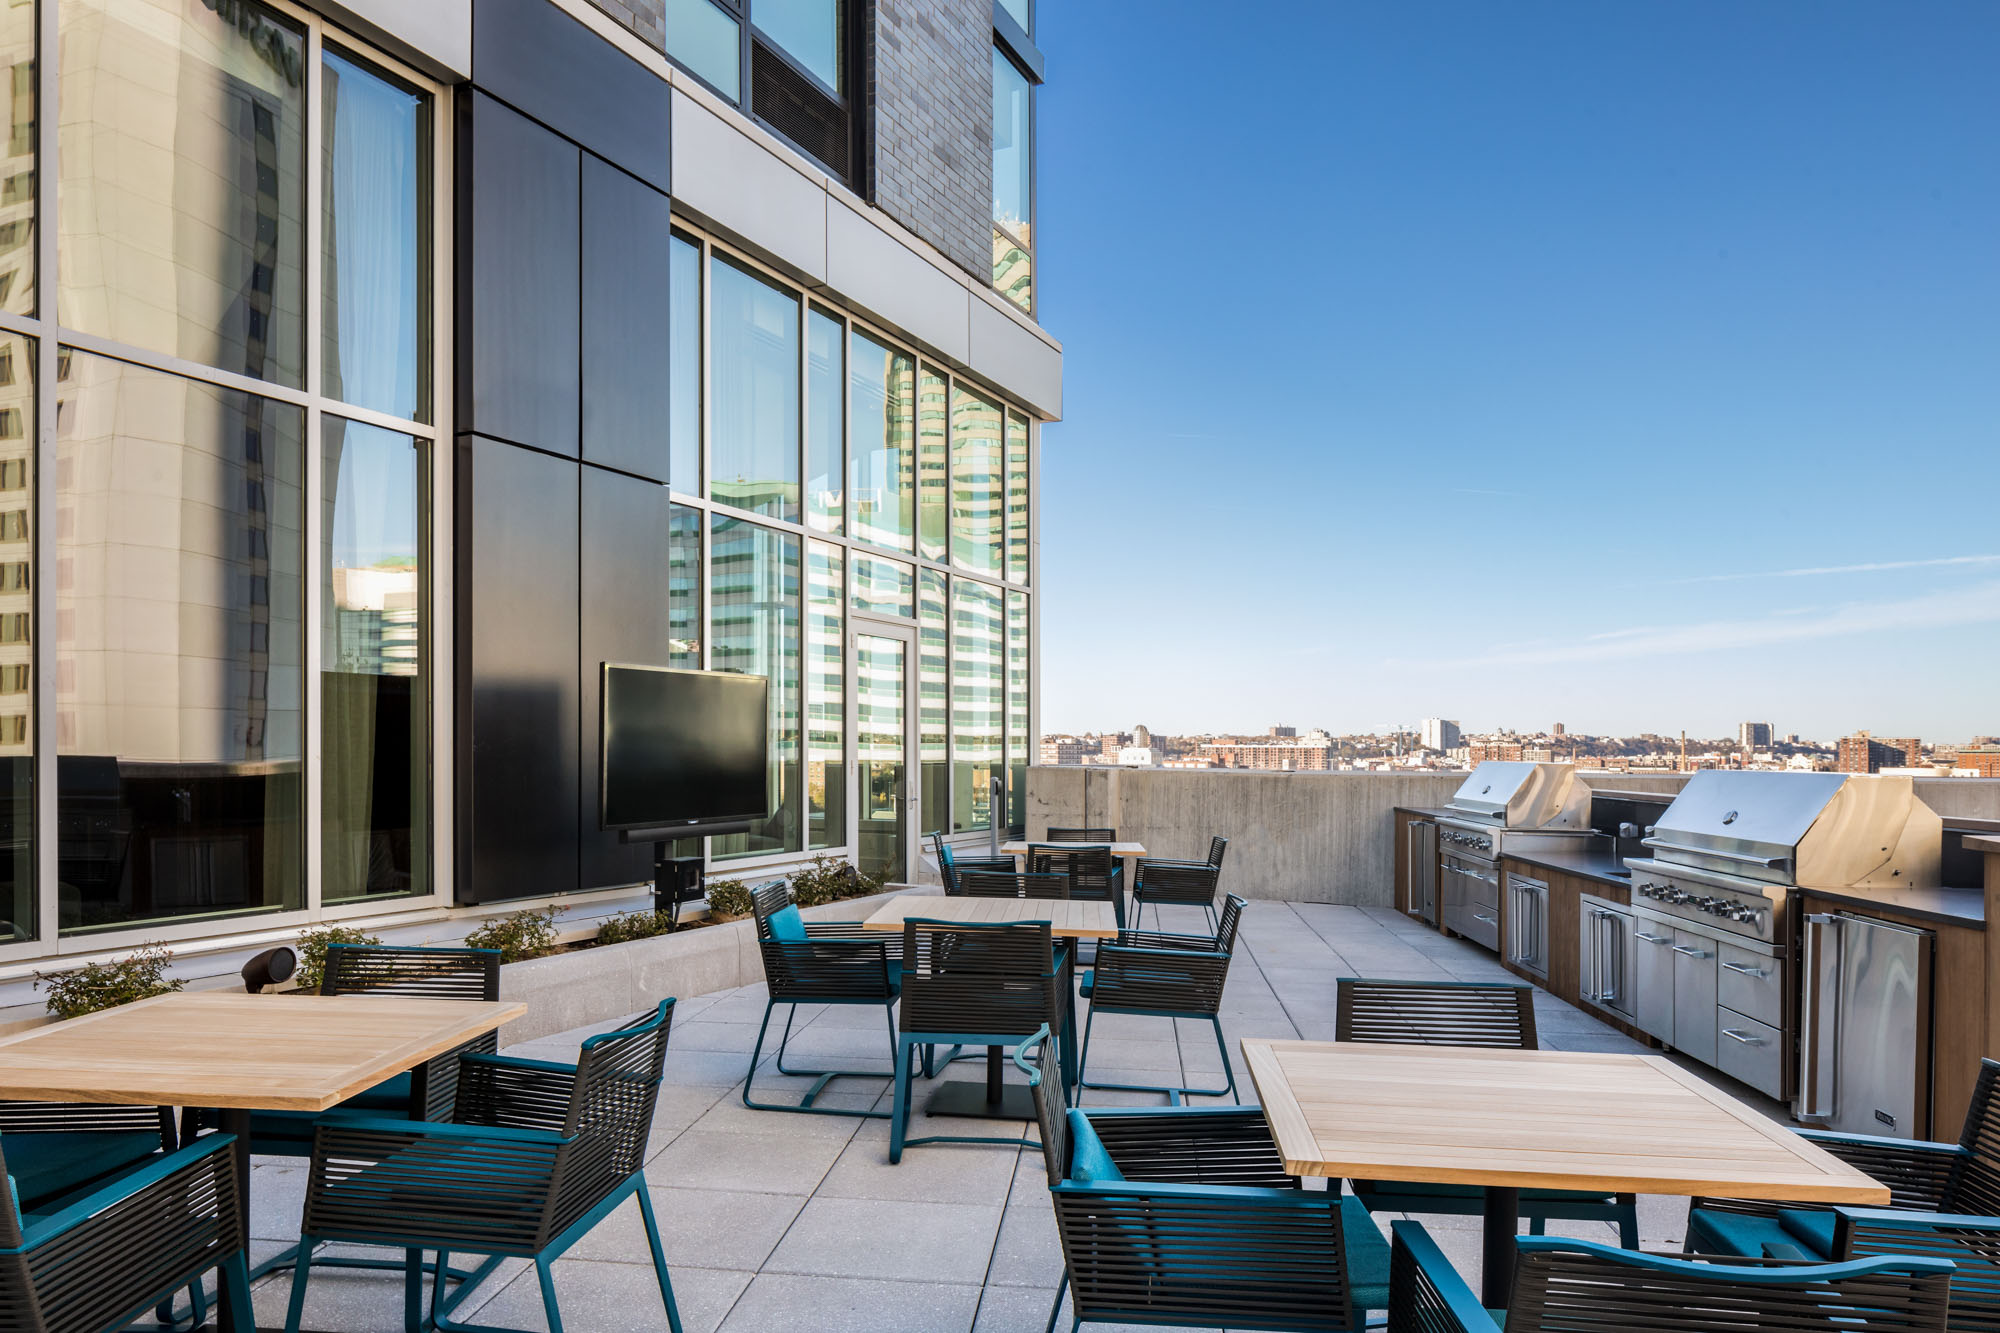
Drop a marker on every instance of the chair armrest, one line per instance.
(1154, 939)
(891, 941)
(425, 1185)
(1425, 1291)
(353, 1123)
(1194, 1146)
(504, 1091)
(837, 968)
(188, 1162)
(1278, 1200)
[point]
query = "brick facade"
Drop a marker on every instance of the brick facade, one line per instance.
(648, 18)
(932, 77)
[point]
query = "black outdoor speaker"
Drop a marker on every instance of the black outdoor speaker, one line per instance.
(269, 968)
(676, 880)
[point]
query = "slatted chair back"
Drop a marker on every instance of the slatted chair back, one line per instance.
(828, 971)
(409, 971)
(1577, 1287)
(1088, 868)
(1013, 884)
(1045, 1084)
(1970, 1242)
(947, 868)
(996, 979)
(1974, 1184)
(1188, 883)
(1217, 846)
(610, 1115)
(767, 900)
(1232, 916)
(1437, 1013)
(1082, 835)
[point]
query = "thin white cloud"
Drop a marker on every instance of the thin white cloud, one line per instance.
(1816, 571)
(1979, 604)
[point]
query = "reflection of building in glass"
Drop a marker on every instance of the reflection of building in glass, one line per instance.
(977, 484)
(376, 611)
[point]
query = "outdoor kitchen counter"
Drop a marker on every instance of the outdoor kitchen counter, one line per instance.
(1948, 907)
(1592, 860)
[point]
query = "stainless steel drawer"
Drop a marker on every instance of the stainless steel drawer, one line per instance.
(1751, 983)
(1751, 1051)
(1482, 907)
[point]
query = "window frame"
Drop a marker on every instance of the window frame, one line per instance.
(52, 340)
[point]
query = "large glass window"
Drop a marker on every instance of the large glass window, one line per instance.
(1019, 11)
(684, 587)
(882, 410)
(704, 38)
(17, 170)
(977, 483)
(977, 699)
(754, 628)
(753, 359)
(182, 134)
(1017, 498)
(180, 718)
(684, 366)
(825, 464)
(1013, 181)
(376, 307)
(882, 587)
(934, 699)
(1017, 712)
(375, 714)
(826, 698)
(933, 466)
(17, 652)
(809, 32)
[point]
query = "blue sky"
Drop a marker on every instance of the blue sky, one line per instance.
(1634, 365)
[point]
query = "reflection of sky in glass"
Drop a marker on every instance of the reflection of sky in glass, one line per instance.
(1011, 148)
(373, 505)
(375, 132)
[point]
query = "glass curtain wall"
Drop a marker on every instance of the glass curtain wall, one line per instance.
(882, 420)
(684, 587)
(1013, 182)
(826, 698)
(17, 638)
(1017, 713)
(684, 390)
(826, 466)
(753, 627)
(978, 539)
(977, 700)
(753, 385)
(934, 699)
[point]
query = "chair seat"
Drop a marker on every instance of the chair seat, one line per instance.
(1713, 1231)
(290, 1133)
(1396, 1195)
(389, 1095)
(44, 1166)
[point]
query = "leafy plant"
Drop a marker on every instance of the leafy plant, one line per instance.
(523, 935)
(634, 926)
(84, 990)
(312, 951)
(828, 880)
(729, 897)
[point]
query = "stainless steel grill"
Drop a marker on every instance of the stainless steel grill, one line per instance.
(1502, 808)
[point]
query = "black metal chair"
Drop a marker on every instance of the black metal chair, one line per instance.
(1081, 835)
(1961, 1178)
(1013, 884)
(951, 865)
(1185, 1216)
(1174, 884)
(1093, 874)
(92, 1259)
(820, 962)
(1497, 1014)
(1164, 976)
(966, 984)
(1573, 1286)
(539, 1153)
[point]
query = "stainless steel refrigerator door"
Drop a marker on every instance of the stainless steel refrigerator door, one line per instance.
(1882, 1055)
(1423, 856)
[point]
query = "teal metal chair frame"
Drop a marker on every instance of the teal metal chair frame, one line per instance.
(539, 1154)
(834, 964)
(950, 865)
(99, 1258)
(1164, 976)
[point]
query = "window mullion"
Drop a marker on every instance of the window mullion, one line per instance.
(313, 480)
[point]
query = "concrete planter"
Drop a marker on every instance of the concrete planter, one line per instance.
(569, 990)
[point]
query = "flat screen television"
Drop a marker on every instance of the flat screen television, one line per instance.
(682, 750)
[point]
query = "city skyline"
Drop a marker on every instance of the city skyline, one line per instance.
(1642, 360)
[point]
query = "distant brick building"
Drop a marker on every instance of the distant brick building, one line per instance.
(1863, 753)
(1312, 753)
(1977, 761)
(1505, 751)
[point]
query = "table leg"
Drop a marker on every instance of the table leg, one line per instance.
(235, 1120)
(1503, 1221)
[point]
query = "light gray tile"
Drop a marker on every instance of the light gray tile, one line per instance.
(761, 1163)
(1028, 1252)
(892, 1240)
(612, 1298)
(789, 1303)
(698, 1228)
(946, 1173)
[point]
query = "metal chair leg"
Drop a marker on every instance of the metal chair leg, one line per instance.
(233, 1274)
(821, 1077)
(1056, 1309)
(899, 1114)
(301, 1273)
(548, 1280)
(1173, 1094)
(659, 1258)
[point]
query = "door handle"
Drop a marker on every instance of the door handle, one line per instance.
(1692, 953)
(1820, 1022)
(1481, 916)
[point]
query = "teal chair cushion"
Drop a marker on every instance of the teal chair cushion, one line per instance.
(389, 1095)
(1089, 1161)
(42, 1166)
(1746, 1234)
(1084, 986)
(1367, 1255)
(1812, 1227)
(787, 924)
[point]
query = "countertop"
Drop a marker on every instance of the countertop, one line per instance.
(1590, 859)
(1948, 906)
(1427, 812)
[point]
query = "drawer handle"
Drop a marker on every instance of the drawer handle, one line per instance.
(1746, 971)
(1743, 1037)
(1692, 953)
(1652, 939)
(1481, 916)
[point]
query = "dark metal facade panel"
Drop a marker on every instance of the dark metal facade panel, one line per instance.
(550, 66)
(626, 231)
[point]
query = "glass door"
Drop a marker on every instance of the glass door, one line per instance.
(885, 712)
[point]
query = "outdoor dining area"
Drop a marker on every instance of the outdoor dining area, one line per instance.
(1017, 1099)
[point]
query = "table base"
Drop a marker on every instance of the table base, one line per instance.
(1497, 1249)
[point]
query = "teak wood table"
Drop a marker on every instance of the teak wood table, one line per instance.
(1512, 1120)
(237, 1053)
(1070, 919)
(1123, 850)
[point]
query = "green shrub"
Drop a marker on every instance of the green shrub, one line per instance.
(729, 897)
(634, 926)
(312, 951)
(523, 935)
(84, 990)
(827, 880)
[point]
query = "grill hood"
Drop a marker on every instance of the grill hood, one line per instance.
(1524, 796)
(1816, 830)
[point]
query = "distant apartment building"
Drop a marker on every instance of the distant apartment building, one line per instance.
(1753, 735)
(1065, 749)
(1505, 751)
(1283, 750)
(1440, 734)
(1863, 753)
(1977, 761)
